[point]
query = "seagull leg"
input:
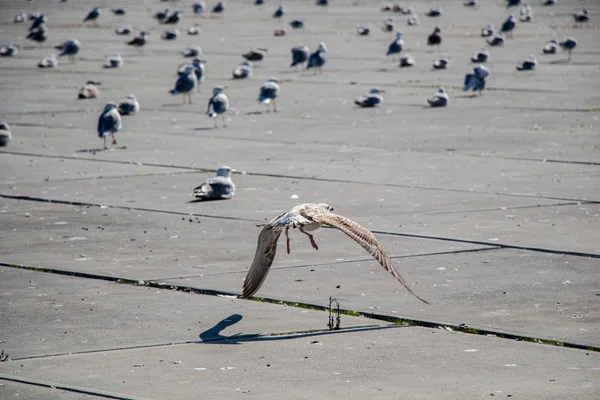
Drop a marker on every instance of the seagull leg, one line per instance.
(114, 141)
(274, 106)
(105, 146)
(310, 237)
(287, 239)
(224, 122)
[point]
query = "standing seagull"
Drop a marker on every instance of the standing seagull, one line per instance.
(109, 123)
(219, 187)
(186, 84)
(299, 55)
(435, 39)
(218, 8)
(581, 16)
(218, 105)
(69, 48)
(508, 26)
(309, 217)
(372, 99)
(279, 12)
(569, 45)
(318, 58)
(476, 79)
(439, 99)
(93, 15)
(396, 46)
(5, 135)
(269, 92)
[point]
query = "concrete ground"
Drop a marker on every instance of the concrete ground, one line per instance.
(115, 283)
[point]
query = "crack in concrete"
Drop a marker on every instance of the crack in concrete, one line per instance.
(402, 321)
(390, 233)
(311, 178)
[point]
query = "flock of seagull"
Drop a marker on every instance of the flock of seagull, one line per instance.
(306, 217)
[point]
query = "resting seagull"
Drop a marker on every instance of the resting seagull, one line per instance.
(219, 187)
(109, 123)
(161, 15)
(551, 47)
(139, 41)
(299, 55)
(480, 56)
(309, 217)
(487, 31)
(114, 61)
(371, 99)
(581, 16)
(496, 40)
(435, 12)
(439, 99)
(318, 58)
(269, 92)
(363, 30)
(173, 18)
(476, 79)
(124, 30)
(186, 84)
(407, 61)
(255, 55)
(243, 71)
(48, 62)
(198, 7)
(279, 12)
(218, 8)
(218, 105)
(129, 106)
(435, 39)
(441, 62)
(89, 90)
(396, 46)
(527, 65)
(5, 135)
(9, 51)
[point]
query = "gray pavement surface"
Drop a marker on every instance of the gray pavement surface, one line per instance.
(115, 283)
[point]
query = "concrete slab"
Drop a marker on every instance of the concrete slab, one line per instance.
(22, 391)
(384, 364)
(49, 315)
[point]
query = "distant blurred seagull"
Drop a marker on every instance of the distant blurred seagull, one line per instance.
(198, 7)
(38, 19)
(371, 99)
(173, 18)
(388, 25)
(569, 45)
(219, 187)
(255, 55)
(480, 56)
(69, 48)
(114, 61)
(161, 15)
(93, 15)
(487, 31)
(439, 99)
(528, 65)
(139, 41)
(363, 30)
(412, 20)
(39, 34)
(435, 39)
(124, 30)
(322, 3)
(551, 47)
(279, 32)
(186, 84)
(192, 52)
(129, 106)
(406, 10)
(508, 26)
(218, 105)
(318, 58)
(89, 90)
(297, 23)
(48, 62)
(198, 66)
(407, 61)
(299, 56)
(243, 71)
(309, 217)
(170, 34)
(218, 8)
(470, 3)
(20, 17)
(435, 12)
(9, 51)
(5, 135)
(441, 62)
(109, 123)
(279, 12)
(119, 11)
(476, 79)
(581, 16)
(269, 92)
(194, 30)
(259, 2)
(512, 3)
(549, 2)
(496, 40)
(395, 48)
(526, 13)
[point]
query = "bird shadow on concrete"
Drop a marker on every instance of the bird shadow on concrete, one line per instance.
(94, 151)
(205, 200)
(204, 128)
(214, 336)
(255, 113)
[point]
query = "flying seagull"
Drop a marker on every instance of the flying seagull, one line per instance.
(219, 187)
(309, 217)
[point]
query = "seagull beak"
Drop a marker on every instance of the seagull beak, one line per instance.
(382, 91)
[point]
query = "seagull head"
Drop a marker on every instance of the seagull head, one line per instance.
(110, 106)
(247, 64)
(441, 91)
(224, 171)
(376, 91)
(217, 90)
(322, 47)
(326, 206)
(274, 80)
(398, 36)
(532, 58)
(132, 98)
